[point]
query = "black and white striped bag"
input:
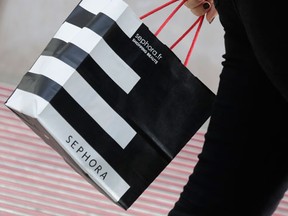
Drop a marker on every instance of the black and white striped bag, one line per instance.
(114, 101)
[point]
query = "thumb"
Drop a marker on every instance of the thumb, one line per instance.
(211, 13)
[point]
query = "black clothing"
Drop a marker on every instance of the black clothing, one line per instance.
(243, 167)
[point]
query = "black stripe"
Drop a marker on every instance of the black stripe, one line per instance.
(39, 85)
(66, 52)
(54, 47)
(82, 122)
(80, 17)
(103, 84)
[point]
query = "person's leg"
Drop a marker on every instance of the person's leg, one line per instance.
(242, 169)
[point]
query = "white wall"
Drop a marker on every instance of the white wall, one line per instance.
(27, 26)
(25, 29)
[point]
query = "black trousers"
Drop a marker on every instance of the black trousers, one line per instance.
(243, 167)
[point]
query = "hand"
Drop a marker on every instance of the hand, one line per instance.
(202, 7)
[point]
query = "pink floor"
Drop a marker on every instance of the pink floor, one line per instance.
(35, 180)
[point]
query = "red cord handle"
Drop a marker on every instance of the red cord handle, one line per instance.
(169, 17)
(157, 9)
(201, 18)
(198, 22)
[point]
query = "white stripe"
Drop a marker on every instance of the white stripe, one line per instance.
(99, 110)
(86, 40)
(66, 32)
(26, 103)
(94, 6)
(83, 154)
(124, 76)
(114, 66)
(129, 22)
(52, 68)
(117, 10)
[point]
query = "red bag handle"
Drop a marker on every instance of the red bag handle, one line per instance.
(198, 22)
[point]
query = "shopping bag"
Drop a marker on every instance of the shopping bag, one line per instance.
(114, 101)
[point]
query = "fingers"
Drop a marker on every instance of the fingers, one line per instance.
(211, 14)
(197, 6)
(202, 7)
